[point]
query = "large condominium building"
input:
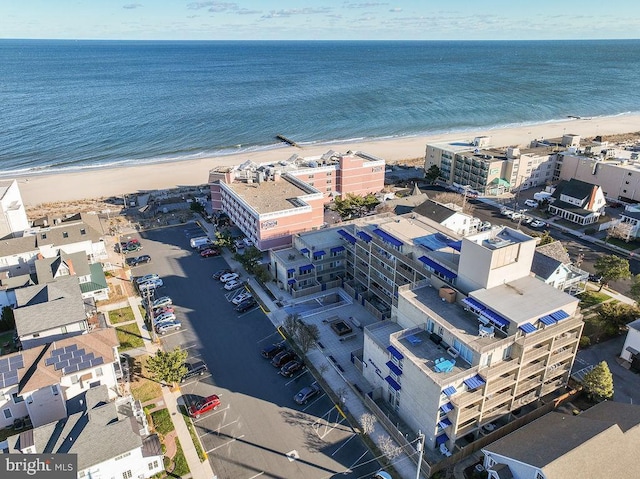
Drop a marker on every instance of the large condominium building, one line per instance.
(271, 202)
(492, 171)
(13, 217)
(473, 335)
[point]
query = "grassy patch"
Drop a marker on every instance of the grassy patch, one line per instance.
(162, 421)
(121, 315)
(181, 467)
(194, 437)
(591, 298)
(630, 246)
(597, 330)
(129, 337)
(143, 388)
(6, 338)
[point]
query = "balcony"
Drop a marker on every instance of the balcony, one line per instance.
(561, 356)
(556, 372)
(500, 368)
(564, 341)
(535, 353)
(532, 368)
(498, 400)
(527, 385)
(466, 414)
(501, 383)
(465, 399)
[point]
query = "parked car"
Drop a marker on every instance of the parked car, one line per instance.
(166, 327)
(282, 358)
(147, 277)
(381, 475)
(194, 368)
(207, 253)
(307, 393)
(233, 284)
(270, 351)
(531, 203)
(145, 258)
(240, 297)
(131, 247)
(207, 404)
(147, 285)
(595, 278)
(246, 305)
(162, 302)
(537, 224)
(220, 273)
(239, 244)
(485, 226)
(228, 277)
(291, 368)
(164, 309)
(164, 317)
(206, 246)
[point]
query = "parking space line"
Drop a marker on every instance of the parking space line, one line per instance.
(296, 378)
(217, 431)
(329, 424)
(212, 414)
(358, 460)
(196, 380)
(249, 311)
(317, 399)
(267, 337)
(257, 475)
(344, 444)
(168, 335)
(225, 444)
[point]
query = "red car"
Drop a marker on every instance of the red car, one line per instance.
(209, 252)
(166, 309)
(210, 403)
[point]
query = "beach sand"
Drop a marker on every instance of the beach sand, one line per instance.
(105, 182)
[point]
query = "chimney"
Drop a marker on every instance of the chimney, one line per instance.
(70, 265)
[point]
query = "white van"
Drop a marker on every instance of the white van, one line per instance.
(196, 242)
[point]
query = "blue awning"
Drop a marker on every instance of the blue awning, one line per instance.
(306, 267)
(386, 237)
(364, 236)
(291, 281)
(456, 245)
(528, 328)
(475, 382)
(291, 270)
(347, 236)
(319, 253)
(441, 439)
(560, 315)
(395, 353)
(392, 383)
(394, 369)
(449, 391)
(446, 407)
(337, 249)
(472, 303)
(495, 318)
(438, 267)
(444, 423)
(548, 320)
(304, 250)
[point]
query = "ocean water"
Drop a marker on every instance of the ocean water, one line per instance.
(83, 104)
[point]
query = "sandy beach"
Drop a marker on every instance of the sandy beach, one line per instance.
(103, 182)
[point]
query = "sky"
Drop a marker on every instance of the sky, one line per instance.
(320, 19)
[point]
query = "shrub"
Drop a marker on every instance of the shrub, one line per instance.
(585, 342)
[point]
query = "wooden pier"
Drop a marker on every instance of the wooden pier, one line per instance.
(287, 140)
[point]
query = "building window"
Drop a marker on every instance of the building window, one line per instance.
(329, 181)
(153, 465)
(83, 231)
(65, 234)
(126, 474)
(7, 413)
(98, 372)
(17, 399)
(310, 177)
(54, 390)
(74, 379)
(44, 235)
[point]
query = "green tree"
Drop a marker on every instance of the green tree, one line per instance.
(250, 259)
(354, 206)
(224, 238)
(634, 291)
(168, 367)
(432, 174)
(545, 237)
(598, 383)
(196, 207)
(617, 315)
(7, 321)
(611, 267)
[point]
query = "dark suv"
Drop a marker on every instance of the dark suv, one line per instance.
(283, 358)
(246, 305)
(195, 368)
(270, 351)
(291, 368)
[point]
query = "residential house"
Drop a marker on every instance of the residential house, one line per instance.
(106, 438)
(552, 264)
(13, 217)
(50, 311)
(578, 201)
(601, 442)
(38, 382)
(93, 283)
(631, 349)
(628, 226)
(450, 216)
(8, 286)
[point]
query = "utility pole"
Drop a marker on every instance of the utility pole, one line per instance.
(147, 294)
(420, 448)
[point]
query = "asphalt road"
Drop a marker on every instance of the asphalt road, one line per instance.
(259, 431)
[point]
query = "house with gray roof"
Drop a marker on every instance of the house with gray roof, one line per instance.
(8, 285)
(107, 441)
(50, 311)
(552, 264)
(600, 443)
(450, 216)
(48, 237)
(578, 201)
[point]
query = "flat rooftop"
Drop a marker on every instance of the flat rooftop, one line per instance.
(269, 196)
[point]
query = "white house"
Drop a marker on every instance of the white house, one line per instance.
(449, 217)
(631, 349)
(13, 217)
(578, 201)
(38, 382)
(552, 264)
(101, 435)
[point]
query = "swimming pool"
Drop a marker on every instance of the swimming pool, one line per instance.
(318, 304)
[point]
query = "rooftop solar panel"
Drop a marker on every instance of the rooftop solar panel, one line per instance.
(79, 353)
(71, 347)
(57, 352)
(97, 361)
(50, 361)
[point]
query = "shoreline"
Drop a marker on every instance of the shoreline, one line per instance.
(105, 181)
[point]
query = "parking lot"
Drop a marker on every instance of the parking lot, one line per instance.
(258, 430)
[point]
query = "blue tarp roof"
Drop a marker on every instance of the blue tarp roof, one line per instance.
(387, 237)
(449, 391)
(394, 369)
(474, 304)
(347, 236)
(392, 383)
(548, 320)
(337, 249)
(304, 250)
(441, 439)
(475, 382)
(364, 236)
(560, 315)
(495, 318)
(319, 253)
(528, 328)
(444, 423)
(446, 407)
(395, 353)
(456, 245)
(306, 267)
(438, 267)
(291, 270)
(291, 281)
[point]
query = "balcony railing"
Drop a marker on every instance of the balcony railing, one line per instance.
(500, 368)
(532, 368)
(498, 400)
(497, 384)
(465, 399)
(535, 353)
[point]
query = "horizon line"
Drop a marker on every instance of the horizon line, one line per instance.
(316, 40)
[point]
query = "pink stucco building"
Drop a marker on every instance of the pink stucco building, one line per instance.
(271, 202)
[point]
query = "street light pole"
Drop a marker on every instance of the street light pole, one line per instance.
(154, 338)
(420, 448)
